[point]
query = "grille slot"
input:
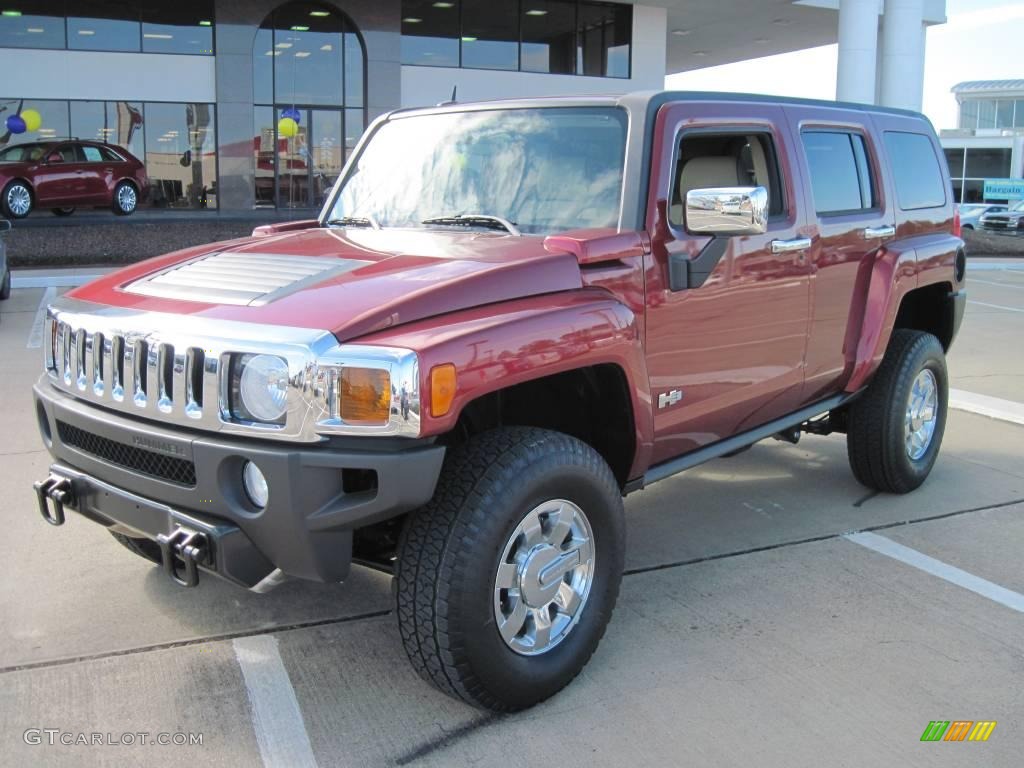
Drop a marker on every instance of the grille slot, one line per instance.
(150, 463)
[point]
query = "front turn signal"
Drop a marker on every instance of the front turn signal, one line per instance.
(442, 389)
(365, 396)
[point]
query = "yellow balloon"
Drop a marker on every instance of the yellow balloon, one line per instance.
(287, 127)
(32, 119)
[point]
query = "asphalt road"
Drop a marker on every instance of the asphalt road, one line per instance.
(750, 630)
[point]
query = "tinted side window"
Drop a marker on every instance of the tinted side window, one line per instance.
(840, 173)
(110, 155)
(915, 169)
(92, 154)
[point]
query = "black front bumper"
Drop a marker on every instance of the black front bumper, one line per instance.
(147, 480)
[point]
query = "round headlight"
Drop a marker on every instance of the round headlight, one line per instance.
(255, 484)
(263, 387)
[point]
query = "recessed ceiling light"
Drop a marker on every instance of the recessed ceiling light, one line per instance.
(299, 28)
(444, 5)
(35, 30)
(86, 32)
(412, 20)
(536, 12)
(301, 54)
(155, 36)
(320, 14)
(205, 24)
(10, 13)
(700, 53)
(327, 47)
(681, 32)
(283, 45)
(469, 39)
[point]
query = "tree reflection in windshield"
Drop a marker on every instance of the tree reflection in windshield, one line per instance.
(546, 169)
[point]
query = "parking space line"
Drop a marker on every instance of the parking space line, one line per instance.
(1000, 285)
(942, 570)
(983, 405)
(995, 306)
(276, 717)
(51, 281)
(35, 336)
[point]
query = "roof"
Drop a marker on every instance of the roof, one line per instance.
(982, 86)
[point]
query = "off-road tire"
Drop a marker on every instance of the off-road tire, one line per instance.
(144, 548)
(875, 439)
(449, 551)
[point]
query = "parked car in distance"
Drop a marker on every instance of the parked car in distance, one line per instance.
(5, 271)
(1007, 222)
(62, 175)
(971, 213)
(508, 316)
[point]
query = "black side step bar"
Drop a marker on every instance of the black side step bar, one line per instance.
(742, 440)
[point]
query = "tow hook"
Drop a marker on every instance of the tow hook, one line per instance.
(58, 491)
(189, 547)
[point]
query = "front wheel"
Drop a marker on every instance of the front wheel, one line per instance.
(126, 199)
(895, 428)
(17, 200)
(508, 577)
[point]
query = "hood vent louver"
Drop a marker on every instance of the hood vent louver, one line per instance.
(244, 279)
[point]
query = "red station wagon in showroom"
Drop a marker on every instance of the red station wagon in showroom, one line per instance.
(61, 175)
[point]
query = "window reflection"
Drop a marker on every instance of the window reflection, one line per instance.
(178, 27)
(604, 38)
(53, 125)
(544, 169)
(181, 155)
(549, 36)
(33, 24)
(110, 25)
(490, 34)
(430, 33)
(115, 122)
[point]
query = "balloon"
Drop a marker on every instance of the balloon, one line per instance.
(15, 124)
(32, 119)
(292, 113)
(285, 127)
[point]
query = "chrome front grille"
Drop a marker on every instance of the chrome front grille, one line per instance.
(246, 279)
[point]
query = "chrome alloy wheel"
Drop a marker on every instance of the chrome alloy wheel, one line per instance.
(922, 414)
(126, 198)
(544, 577)
(19, 200)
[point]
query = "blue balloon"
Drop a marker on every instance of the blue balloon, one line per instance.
(15, 124)
(293, 113)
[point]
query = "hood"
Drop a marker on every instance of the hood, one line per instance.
(349, 282)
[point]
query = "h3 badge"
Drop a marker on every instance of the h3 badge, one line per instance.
(673, 396)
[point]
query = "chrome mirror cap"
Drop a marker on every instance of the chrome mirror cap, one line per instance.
(727, 211)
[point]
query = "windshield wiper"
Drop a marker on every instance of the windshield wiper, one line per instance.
(355, 221)
(476, 220)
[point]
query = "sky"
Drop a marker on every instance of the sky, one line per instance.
(981, 40)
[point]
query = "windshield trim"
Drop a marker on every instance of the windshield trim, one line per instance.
(494, 106)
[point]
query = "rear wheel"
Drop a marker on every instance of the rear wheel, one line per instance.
(895, 428)
(144, 548)
(126, 199)
(65, 211)
(508, 577)
(17, 200)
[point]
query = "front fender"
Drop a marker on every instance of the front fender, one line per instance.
(500, 345)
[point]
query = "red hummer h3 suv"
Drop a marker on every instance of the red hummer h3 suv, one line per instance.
(508, 316)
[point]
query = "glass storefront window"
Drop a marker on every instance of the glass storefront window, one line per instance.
(955, 161)
(263, 66)
(968, 115)
(115, 122)
(354, 127)
(988, 163)
(549, 36)
(355, 80)
(307, 55)
(490, 35)
(54, 123)
(33, 24)
(1018, 119)
(107, 25)
(604, 40)
(182, 26)
(181, 157)
(430, 33)
(986, 114)
(264, 136)
(1004, 113)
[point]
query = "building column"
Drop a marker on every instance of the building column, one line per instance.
(903, 36)
(858, 43)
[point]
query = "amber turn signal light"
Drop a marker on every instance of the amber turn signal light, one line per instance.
(442, 389)
(365, 396)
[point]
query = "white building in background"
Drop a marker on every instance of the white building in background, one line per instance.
(196, 89)
(988, 142)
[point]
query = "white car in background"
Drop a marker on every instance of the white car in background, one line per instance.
(971, 213)
(1007, 221)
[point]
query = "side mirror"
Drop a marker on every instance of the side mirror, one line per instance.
(727, 211)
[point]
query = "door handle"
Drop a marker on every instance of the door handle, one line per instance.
(871, 233)
(789, 246)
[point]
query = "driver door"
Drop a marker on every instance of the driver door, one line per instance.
(57, 176)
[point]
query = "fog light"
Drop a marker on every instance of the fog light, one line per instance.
(255, 484)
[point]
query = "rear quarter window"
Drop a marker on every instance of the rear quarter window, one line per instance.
(915, 170)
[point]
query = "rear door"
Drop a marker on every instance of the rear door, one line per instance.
(727, 356)
(851, 217)
(98, 174)
(56, 179)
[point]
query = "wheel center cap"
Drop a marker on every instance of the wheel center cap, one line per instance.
(537, 586)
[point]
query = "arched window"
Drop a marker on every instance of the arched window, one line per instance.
(309, 58)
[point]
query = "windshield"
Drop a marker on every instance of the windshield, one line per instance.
(22, 153)
(544, 170)
(1018, 206)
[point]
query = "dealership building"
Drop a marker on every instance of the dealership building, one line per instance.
(196, 88)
